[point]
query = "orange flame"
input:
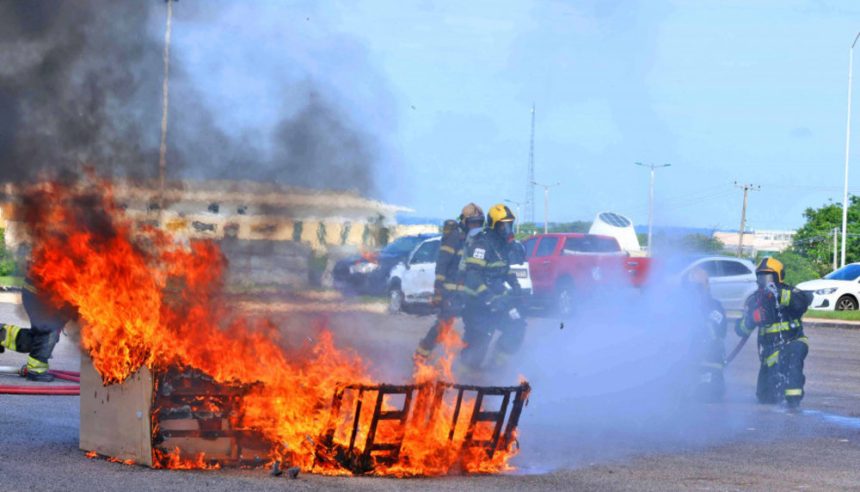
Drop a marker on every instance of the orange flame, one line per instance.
(146, 299)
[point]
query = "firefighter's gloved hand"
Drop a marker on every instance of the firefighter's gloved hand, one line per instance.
(760, 317)
(498, 303)
(450, 306)
(436, 300)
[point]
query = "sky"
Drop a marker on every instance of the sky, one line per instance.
(725, 91)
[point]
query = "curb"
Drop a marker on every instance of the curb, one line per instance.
(830, 323)
(10, 297)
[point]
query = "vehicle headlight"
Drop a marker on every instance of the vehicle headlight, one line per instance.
(824, 292)
(363, 267)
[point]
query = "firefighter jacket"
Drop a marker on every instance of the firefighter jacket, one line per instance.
(486, 262)
(777, 315)
(448, 278)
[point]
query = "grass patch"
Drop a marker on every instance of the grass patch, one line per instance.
(837, 315)
(9, 281)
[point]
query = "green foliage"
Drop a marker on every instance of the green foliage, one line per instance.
(7, 258)
(797, 268)
(531, 228)
(837, 315)
(815, 239)
(700, 243)
(689, 243)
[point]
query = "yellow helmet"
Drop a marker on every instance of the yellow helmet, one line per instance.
(499, 213)
(771, 265)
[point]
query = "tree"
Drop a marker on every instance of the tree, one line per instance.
(814, 240)
(531, 228)
(701, 243)
(797, 268)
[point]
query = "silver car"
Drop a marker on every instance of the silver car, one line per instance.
(411, 282)
(732, 280)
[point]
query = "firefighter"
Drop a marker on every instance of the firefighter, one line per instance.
(446, 287)
(39, 340)
(776, 310)
(708, 334)
(491, 292)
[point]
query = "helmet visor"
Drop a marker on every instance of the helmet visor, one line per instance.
(505, 229)
(765, 279)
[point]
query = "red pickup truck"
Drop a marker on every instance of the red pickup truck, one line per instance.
(567, 266)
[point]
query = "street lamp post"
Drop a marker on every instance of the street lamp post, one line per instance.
(545, 203)
(652, 167)
(516, 204)
(847, 148)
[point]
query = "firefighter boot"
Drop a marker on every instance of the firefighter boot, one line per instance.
(36, 370)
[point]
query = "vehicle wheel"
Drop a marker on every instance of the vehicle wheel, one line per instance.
(395, 299)
(564, 298)
(846, 303)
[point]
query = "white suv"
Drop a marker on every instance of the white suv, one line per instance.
(411, 283)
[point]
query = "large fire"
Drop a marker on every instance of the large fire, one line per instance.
(146, 299)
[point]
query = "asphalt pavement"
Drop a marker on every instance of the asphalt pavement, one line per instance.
(583, 440)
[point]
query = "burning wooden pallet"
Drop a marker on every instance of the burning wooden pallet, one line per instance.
(420, 410)
(184, 419)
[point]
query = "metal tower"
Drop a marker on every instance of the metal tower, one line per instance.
(530, 186)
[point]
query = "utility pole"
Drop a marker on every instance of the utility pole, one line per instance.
(835, 247)
(530, 187)
(162, 151)
(847, 148)
(652, 167)
(545, 203)
(746, 188)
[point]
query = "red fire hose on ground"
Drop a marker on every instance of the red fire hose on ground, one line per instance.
(18, 389)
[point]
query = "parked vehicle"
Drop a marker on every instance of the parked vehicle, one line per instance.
(838, 290)
(410, 283)
(732, 280)
(368, 273)
(566, 266)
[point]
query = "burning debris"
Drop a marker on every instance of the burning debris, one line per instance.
(224, 390)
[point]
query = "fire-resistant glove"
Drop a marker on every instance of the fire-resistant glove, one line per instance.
(498, 303)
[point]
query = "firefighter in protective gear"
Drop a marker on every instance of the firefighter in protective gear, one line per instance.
(491, 292)
(708, 334)
(776, 310)
(448, 283)
(39, 340)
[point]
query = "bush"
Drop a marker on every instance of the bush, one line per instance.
(797, 268)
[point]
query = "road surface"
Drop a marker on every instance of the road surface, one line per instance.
(584, 429)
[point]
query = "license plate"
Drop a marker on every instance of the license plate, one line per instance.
(521, 273)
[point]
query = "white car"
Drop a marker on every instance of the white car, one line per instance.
(411, 283)
(838, 290)
(732, 280)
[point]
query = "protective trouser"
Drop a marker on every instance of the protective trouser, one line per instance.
(781, 373)
(480, 323)
(46, 322)
(711, 383)
(449, 308)
(33, 341)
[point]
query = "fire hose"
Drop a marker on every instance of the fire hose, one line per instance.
(736, 351)
(17, 389)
